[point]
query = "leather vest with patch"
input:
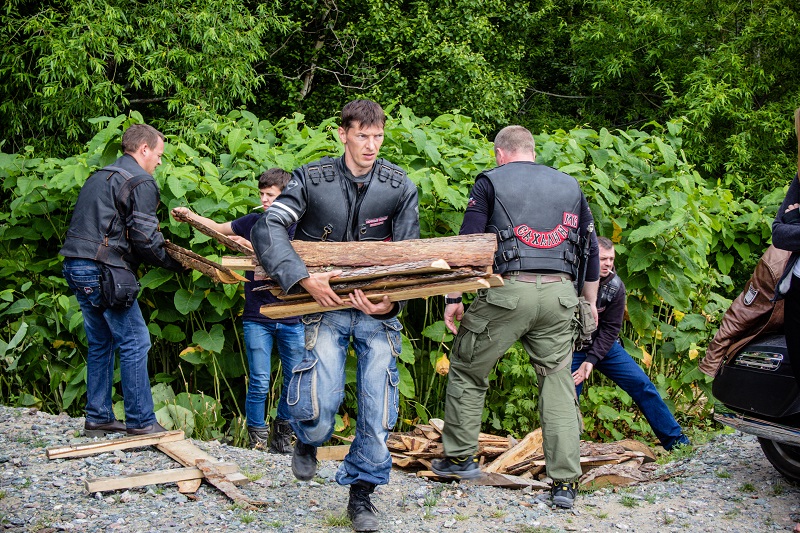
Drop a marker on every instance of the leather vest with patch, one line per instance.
(607, 292)
(330, 217)
(536, 218)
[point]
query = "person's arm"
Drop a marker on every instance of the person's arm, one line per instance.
(607, 333)
(182, 213)
(786, 226)
(479, 209)
(142, 225)
(591, 281)
(270, 240)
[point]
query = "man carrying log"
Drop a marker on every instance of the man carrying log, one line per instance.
(356, 197)
(606, 354)
(113, 229)
(539, 216)
(260, 332)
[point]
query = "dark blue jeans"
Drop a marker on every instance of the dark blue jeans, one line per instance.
(109, 330)
(620, 368)
(259, 338)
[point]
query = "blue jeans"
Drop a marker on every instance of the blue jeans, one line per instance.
(620, 368)
(108, 330)
(259, 338)
(317, 388)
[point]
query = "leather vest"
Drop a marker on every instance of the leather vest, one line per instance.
(607, 292)
(330, 217)
(536, 218)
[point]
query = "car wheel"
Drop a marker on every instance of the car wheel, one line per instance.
(784, 457)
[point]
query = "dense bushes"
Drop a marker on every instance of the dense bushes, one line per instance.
(679, 237)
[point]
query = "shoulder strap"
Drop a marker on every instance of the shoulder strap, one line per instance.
(130, 183)
(321, 169)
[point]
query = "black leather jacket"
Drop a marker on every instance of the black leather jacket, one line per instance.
(114, 221)
(353, 214)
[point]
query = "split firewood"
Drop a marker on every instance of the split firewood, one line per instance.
(288, 309)
(530, 445)
(614, 475)
(427, 431)
(388, 282)
(218, 478)
(352, 275)
(193, 220)
(637, 446)
(213, 270)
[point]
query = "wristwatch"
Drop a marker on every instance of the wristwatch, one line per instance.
(449, 301)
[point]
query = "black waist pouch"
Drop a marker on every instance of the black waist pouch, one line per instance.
(118, 286)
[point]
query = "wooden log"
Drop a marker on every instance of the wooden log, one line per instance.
(353, 275)
(459, 251)
(194, 221)
(211, 269)
(437, 423)
(530, 445)
(614, 475)
(385, 283)
(427, 431)
(403, 461)
(123, 443)
(172, 475)
(641, 447)
(333, 453)
(284, 310)
(187, 453)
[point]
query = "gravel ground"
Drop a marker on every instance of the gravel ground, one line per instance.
(725, 485)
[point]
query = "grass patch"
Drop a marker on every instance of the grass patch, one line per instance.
(498, 514)
(778, 489)
(650, 498)
(602, 515)
(337, 520)
(724, 474)
(747, 487)
(430, 500)
(667, 519)
(277, 524)
(252, 476)
(461, 517)
(629, 501)
(731, 514)
(247, 517)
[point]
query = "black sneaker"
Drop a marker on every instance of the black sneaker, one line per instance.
(258, 437)
(457, 467)
(360, 508)
(304, 461)
(281, 437)
(91, 429)
(564, 493)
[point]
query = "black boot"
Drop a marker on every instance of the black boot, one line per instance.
(281, 437)
(304, 461)
(360, 508)
(258, 438)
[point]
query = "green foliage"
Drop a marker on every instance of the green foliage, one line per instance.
(677, 236)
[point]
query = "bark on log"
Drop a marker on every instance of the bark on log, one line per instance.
(288, 309)
(211, 269)
(191, 218)
(389, 282)
(459, 251)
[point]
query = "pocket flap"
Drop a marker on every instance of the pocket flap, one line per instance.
(394, 377)
(568, 301)
(394, 324)
(504, 301)
(304, 365)
(474, 323)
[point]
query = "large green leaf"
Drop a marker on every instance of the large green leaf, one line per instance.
(212, 341)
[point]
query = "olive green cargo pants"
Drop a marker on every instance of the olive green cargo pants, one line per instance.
(541, 316)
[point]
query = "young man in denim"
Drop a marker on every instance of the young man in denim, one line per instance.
(356, 197)
(260, 332)
(114, 223)
(607, 355)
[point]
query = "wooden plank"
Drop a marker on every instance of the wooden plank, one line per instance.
(190, 486)
(187, 453)
(219, 479)
(284, 310)
(333, 453)
(172, 475)
(475, 250)
(124, 443)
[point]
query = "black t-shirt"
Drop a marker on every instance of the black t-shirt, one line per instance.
(253, 300)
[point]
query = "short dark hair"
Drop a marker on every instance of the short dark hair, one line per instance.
(605, 243)
(365, 112)
(139, 134)
(274, 176)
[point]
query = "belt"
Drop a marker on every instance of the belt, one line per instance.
(532, 277)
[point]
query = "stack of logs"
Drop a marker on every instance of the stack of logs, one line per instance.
(507, 462)
(401, 270)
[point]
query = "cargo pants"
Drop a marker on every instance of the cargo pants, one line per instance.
(541, 316)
